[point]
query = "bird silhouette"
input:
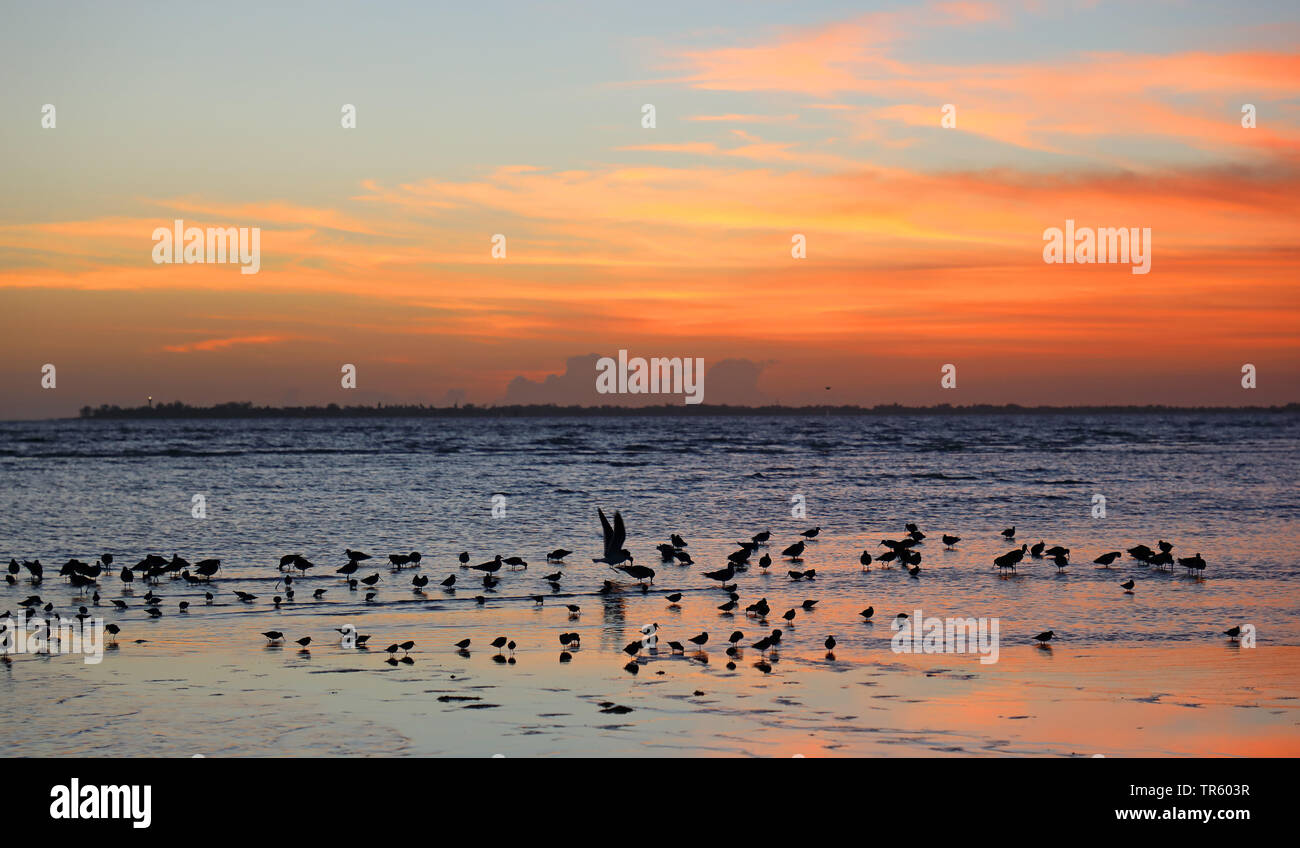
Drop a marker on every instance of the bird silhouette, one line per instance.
(614, 538)
(490, 567)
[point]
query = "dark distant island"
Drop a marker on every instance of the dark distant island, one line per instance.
(469, 410)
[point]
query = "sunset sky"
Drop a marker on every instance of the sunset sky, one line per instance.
(772, 118)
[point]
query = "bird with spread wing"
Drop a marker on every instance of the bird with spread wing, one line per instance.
(615, 554)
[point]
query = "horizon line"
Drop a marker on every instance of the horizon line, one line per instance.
(246, 409)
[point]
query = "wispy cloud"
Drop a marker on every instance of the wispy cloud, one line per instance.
(221, 344)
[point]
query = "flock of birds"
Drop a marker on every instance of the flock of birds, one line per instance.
(152, 569)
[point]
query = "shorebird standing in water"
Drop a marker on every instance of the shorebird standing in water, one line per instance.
(1141, 553)
(722, 575)
(1011, 558)
(490, 567)
(638, 572)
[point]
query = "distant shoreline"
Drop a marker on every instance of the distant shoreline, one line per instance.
(240, 410)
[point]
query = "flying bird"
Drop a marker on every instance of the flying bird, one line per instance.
(615, 536)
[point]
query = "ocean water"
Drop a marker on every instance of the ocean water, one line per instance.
(1223, 485)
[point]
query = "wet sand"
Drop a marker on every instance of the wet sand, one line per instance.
(183, 693)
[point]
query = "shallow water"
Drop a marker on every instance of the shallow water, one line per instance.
(1223, 485)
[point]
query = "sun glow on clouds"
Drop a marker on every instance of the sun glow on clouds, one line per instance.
(832, 130)
(220, 344)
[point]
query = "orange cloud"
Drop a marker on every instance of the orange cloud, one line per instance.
(221, 344)
(1062, 105)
